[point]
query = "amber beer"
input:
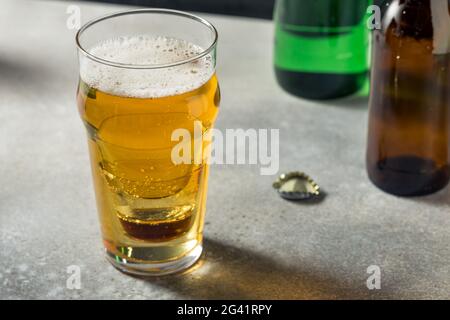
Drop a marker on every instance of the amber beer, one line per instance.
(151, 209)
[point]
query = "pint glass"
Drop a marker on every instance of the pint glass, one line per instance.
(147, 80)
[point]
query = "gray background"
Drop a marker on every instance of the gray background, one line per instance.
(257, 245)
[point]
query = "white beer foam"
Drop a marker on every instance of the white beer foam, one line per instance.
(146, 83)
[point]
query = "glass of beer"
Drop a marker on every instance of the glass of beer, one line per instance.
(147, 80)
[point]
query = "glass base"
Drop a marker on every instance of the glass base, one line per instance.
(149, 269)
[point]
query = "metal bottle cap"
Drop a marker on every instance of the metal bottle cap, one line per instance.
(296, 186)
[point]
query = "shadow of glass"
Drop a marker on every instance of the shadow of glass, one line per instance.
(228, 272)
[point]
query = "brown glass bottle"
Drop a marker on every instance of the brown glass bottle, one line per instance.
(408, 143)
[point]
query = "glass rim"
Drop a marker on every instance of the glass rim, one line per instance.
(191, 16)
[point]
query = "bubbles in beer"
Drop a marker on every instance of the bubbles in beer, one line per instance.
(152, 82)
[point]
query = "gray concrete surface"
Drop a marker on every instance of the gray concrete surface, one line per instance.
(257, 245)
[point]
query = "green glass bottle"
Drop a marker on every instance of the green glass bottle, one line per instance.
(321, 47)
